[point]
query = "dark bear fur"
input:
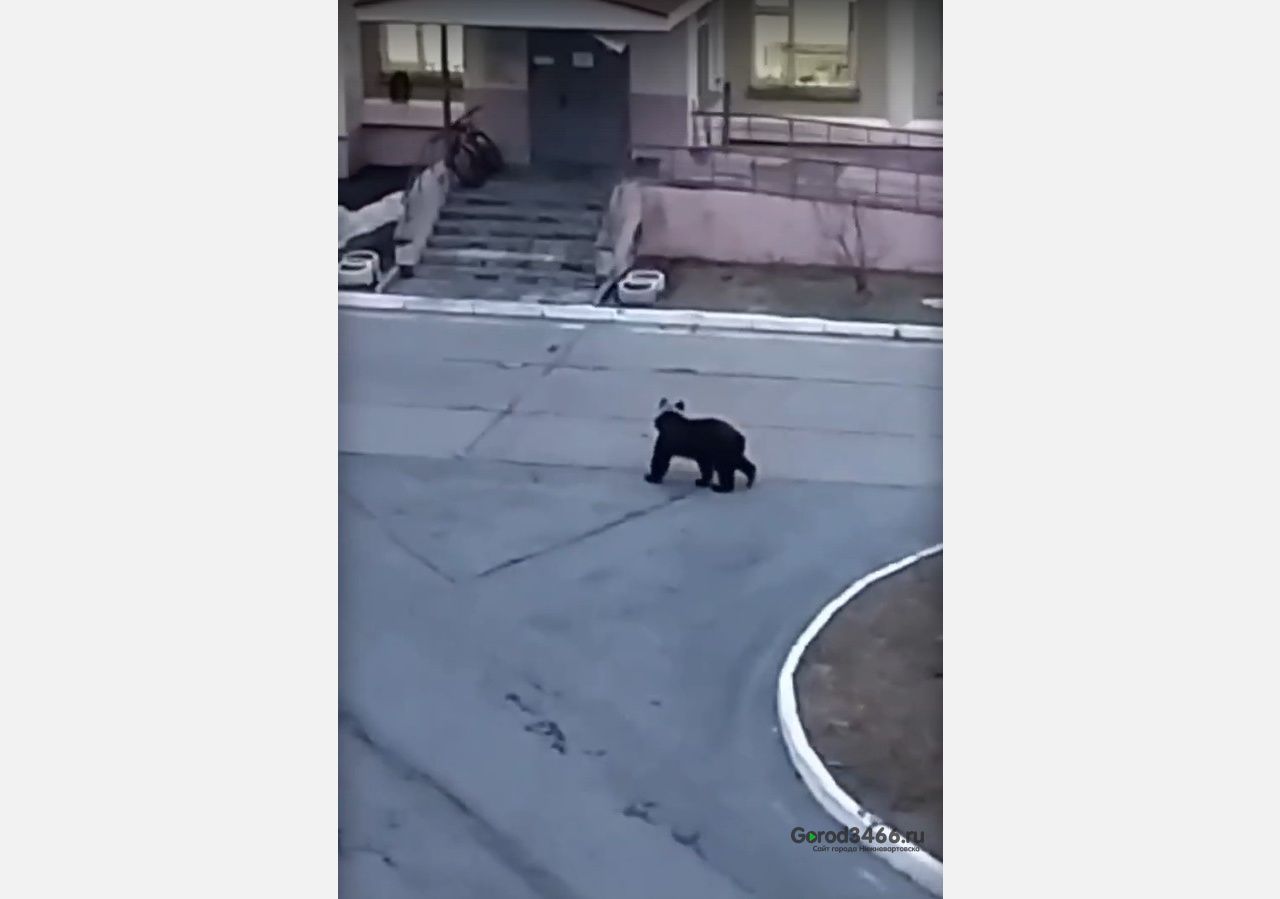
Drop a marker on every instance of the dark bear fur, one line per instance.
(716, 446)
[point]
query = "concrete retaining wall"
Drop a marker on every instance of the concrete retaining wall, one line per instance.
(422, 206)
(737, 226)
(619, 231)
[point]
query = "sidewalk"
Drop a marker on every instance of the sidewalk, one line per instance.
(725, 297)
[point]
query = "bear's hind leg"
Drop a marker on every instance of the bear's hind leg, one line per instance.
(724, 478)
(705, 472)
(746, 466)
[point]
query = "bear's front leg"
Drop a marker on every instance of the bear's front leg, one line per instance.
(659, 464)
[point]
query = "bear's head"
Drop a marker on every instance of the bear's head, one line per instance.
(668, 413)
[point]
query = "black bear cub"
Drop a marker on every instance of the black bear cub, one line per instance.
(715, 445)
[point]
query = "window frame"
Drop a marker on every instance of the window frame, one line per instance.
(703, 63)
(419, 76)
(786, 9)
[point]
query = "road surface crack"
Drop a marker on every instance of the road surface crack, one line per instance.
(561, 352)
(505, 849)
(367, 850)
(396, 541)
(585, 535)
(860, 381)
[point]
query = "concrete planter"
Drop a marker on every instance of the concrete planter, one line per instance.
(359, 268)
(641, 287)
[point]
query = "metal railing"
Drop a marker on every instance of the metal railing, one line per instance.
(723, 126)
(830, 180)
(718, 129)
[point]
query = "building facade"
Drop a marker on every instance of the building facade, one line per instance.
(582, 81)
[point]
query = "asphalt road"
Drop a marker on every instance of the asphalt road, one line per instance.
(557, 680)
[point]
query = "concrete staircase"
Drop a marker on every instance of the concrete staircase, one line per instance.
(521, 236)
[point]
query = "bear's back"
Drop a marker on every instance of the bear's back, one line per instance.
(710, 432)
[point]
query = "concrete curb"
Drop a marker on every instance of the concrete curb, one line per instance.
(681, 318)
(921, 867)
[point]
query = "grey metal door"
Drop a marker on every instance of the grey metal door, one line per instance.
(579, 100)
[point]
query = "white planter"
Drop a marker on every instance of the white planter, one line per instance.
(641, 287)
(359, 268)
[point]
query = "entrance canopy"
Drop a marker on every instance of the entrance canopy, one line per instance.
(592, 15)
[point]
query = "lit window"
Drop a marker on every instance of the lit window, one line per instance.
(801, 44)
(418, 51)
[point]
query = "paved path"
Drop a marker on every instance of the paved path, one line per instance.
(557, 680)
(822, 409)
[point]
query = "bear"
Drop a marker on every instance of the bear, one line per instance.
(716, 446)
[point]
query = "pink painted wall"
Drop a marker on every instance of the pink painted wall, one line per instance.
(736, 226)
(391, 145)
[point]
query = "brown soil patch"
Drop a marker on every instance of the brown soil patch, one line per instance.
(796, 290)
(869, 690)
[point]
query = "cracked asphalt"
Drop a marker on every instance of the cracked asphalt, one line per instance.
(557, 680)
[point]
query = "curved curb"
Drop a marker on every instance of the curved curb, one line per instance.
(920, 866)
(678, 318)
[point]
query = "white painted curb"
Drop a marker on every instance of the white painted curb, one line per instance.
(920, 866)
(680, 318)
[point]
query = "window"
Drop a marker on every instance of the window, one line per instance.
(709, 42)
(418, 50)
(805, 47)
(704, 58)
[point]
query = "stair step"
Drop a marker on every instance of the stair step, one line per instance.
(526, 244)
(520, 236)
(522, 213)
(475, 289)
(491, 228)
(552, 197)
(557, 197)
(551, 277)
(583, 263)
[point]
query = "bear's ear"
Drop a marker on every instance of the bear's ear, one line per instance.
(663, 404)
(680, 405)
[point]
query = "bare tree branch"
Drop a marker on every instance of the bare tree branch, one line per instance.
(860, 265)
(837, 231)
